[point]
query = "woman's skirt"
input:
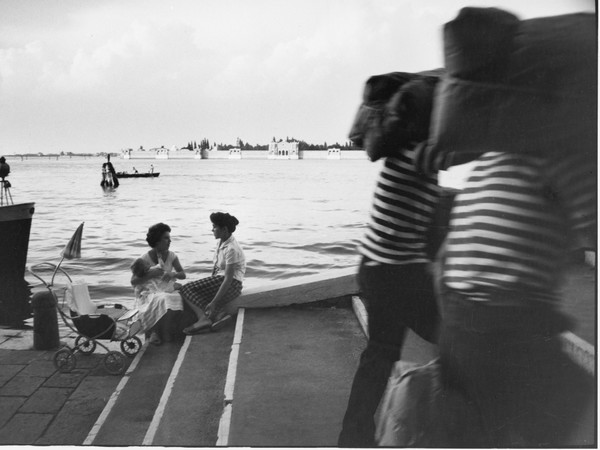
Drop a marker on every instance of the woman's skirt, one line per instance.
(155, 305)
(201, 292)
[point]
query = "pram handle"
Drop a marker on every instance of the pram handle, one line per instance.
(53, 266)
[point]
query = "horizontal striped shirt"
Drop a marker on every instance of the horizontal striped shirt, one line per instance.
(401, 213)
(507, 236)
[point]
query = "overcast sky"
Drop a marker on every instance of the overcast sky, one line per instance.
(102, 75)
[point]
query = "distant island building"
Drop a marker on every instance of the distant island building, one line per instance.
(284, 150)
(216, 153)
(334, 153)
(289, 150)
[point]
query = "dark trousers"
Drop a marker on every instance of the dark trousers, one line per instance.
(397, 297)
(508, 361)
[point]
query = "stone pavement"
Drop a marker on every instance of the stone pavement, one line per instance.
(41, 406)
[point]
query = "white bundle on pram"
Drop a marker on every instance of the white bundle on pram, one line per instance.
(98, 320)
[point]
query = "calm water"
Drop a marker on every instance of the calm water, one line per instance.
(296, 217)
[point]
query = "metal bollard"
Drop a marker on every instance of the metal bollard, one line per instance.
(45, 321)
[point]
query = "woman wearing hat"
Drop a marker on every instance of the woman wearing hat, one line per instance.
(208, 296)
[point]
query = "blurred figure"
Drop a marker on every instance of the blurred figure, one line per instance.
(394, 276)
(528, 123)
(501, 274)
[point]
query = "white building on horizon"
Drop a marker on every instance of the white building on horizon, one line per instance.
(283, 150)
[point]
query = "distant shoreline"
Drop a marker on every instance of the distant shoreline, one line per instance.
(350, 154)
(57, 155)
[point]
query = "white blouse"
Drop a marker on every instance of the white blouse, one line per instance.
(230, 253)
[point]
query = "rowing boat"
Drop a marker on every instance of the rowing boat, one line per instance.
(138, 175)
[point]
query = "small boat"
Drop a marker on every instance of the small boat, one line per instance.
(137, 175)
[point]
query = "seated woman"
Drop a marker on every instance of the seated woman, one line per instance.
(153, 279)
(208, 297)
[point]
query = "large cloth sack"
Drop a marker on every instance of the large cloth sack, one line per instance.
(515, 85)
(417, 410)
(522, 86)
(395, 112)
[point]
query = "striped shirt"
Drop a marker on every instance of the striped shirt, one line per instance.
(401, 213)
(507, 235)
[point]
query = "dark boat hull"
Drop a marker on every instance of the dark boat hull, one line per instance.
(15, 224)
(137, 175)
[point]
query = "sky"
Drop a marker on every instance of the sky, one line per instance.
(104, 75)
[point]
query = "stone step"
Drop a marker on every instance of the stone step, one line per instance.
(293, 378)
(130, 413)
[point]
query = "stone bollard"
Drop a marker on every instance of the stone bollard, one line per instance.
(45, 321)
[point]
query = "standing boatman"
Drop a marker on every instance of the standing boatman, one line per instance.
(394, 275)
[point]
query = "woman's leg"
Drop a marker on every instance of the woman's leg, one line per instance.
(197, 295)
(202, 319)
(222, 316)
(166, 326)
(153, 335)
(171, 321)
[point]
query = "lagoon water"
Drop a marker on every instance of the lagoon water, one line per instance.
(296, 217)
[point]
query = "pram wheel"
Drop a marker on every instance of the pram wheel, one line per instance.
(131, 346)
(114, 363)
(85, 345)
(64, 360)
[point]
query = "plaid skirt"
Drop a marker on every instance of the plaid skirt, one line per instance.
(201, 292)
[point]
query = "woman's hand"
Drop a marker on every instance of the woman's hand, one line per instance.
(155, 272)
(169, 276)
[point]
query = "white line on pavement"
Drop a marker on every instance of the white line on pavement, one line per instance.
(581, 352)
(225, 422)
(89, 440)
(361, 314)
(160, 409)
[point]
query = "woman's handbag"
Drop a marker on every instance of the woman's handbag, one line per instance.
(417, 410)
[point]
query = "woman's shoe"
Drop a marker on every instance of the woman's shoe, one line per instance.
(155, 338)
(197, 329)
(220, 323)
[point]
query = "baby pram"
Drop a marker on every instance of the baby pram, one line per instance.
(92, 323)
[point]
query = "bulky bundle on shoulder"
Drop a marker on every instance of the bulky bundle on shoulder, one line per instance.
(395, 112)
(522, 86)
(515, 85)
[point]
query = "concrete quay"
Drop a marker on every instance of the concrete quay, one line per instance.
(278, 364)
